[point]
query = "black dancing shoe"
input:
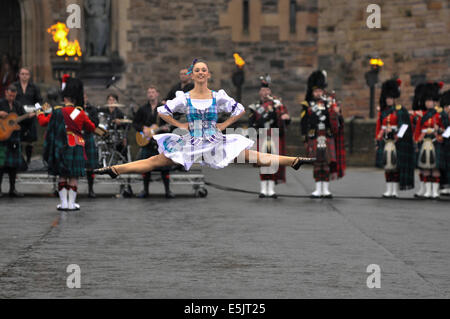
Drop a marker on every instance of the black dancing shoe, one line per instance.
(261, 195)
(299, 161)
(106, 171)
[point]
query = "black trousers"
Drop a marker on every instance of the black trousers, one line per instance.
(12, 174)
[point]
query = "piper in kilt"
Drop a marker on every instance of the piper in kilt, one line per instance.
(395, 147)
(13, 160)
(428, 136)
(145, 118)
(322, 128)
(445, 174)
(267, 115)
(64, 146)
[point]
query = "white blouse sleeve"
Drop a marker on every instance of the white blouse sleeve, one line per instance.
(228, 104)
(177, 105)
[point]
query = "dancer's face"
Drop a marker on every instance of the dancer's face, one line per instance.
(200, 73)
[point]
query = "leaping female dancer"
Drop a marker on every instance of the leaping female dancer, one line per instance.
(205, 142)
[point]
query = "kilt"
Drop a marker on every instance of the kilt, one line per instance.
(330, 153)
(2, 155)
(62, 160)
(321, 172)
(439, 148)
(73, 163)
(13, 153)
(91, 152)
(406, 164)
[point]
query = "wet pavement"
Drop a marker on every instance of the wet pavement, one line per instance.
(228, 245)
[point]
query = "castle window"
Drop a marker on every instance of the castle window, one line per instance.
(246, 16)
(292, 16)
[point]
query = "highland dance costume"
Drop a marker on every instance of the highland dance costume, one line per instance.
(323, 131)
(428, 136)
(64, 146)
(204, 143)
(265, 116)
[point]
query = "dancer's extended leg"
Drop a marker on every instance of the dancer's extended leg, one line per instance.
(138, 167)
(265, 159)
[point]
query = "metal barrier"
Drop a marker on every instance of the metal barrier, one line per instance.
(195, 178)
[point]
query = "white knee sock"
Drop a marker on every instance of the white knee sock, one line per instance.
(63, 197)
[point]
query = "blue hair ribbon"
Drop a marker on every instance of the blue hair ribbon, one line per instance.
(191, 68)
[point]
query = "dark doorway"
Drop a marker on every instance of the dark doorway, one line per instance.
(10, 36)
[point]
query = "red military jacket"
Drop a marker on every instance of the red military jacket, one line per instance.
(430, 123)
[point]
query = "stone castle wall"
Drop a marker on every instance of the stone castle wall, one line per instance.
(156, 38)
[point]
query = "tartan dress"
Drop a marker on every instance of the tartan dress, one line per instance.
(204, 143)
(62, 159)
(405, 148)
